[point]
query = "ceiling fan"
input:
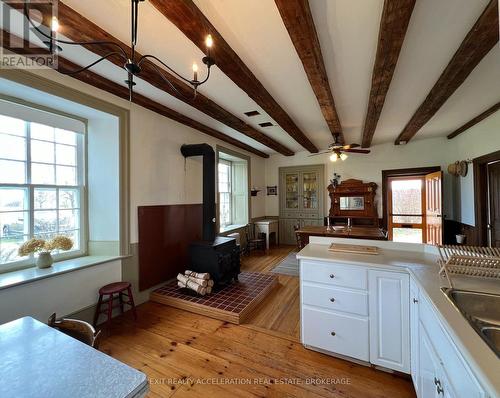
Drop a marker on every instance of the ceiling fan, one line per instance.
(339, 151)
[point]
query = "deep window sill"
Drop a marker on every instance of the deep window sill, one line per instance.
(27, 275)
(230, 228)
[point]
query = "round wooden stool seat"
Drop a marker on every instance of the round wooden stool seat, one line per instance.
(115, 287)
(107, 293)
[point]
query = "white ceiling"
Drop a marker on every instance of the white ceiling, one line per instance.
(348, 33)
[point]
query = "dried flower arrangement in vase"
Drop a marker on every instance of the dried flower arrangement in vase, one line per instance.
(44, 249)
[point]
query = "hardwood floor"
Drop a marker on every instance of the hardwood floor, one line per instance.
(188, 355)
(279, 312)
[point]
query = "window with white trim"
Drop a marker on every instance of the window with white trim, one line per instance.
(41, 188)
(233, 196)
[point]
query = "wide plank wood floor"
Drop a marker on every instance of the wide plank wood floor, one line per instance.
(188, 355)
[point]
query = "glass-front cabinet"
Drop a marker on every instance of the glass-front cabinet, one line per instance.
(301, 195)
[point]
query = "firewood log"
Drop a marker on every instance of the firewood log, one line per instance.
(184, 281)
(209, 289)
(193, 274)
(201, 282)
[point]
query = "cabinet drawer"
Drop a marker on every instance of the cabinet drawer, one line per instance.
(459, 374)
(341, 334)
(335, 299)
(334, 274)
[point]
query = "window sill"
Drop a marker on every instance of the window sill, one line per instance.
(230, 228)
(27, 275)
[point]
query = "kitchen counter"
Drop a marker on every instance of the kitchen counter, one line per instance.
(420, 261)
(39, 361)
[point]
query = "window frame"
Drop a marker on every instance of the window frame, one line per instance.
(230, 192)
(81, 176)
(230, 153)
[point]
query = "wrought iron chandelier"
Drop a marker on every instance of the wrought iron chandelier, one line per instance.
(131, 64)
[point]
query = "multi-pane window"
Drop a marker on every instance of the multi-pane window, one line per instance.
(225, 211)
(233, 191)
(41, 186)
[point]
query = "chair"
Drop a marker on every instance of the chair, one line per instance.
(80, 330)
(298, 238)
(252, 241)
(122, 289)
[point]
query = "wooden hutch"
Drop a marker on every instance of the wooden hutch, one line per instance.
(355, 200)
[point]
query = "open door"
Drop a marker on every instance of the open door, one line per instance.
(434, 208)
(494, 204)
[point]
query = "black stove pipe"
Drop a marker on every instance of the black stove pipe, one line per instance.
(208, 154)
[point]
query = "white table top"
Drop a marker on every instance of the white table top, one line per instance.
(39, 361)
(268, 221)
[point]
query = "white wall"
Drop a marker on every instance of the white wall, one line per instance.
(481, 139)
(431, 152)
(63, 294)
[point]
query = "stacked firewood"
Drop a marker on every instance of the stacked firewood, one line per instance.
(200, 283)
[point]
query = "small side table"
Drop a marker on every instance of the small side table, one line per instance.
(267, 227)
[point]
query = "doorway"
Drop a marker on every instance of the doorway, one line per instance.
(487, 199)
(493, 226)
(412, 205)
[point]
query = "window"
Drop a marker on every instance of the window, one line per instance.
(41, 187)
(233, 198)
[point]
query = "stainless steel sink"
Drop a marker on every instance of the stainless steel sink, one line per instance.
(482, 311)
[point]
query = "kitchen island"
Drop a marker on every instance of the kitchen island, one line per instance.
(388, 310)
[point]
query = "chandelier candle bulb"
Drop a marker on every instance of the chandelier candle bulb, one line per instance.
(55, 24)
(209, 41)
(195, 71)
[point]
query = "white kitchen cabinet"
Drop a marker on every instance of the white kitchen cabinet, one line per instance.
(389, 319)
(414, 335)
(429, 368)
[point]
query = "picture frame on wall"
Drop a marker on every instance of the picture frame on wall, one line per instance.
(272, 191)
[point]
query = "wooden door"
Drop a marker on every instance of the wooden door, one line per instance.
(494, 204)
(434, 208)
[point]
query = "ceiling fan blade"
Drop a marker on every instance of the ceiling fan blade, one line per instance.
(320, 153)
(351, 146)
(357, 150)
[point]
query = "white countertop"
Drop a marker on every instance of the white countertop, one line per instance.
(268, 221)
(39, 361)
(423, 268)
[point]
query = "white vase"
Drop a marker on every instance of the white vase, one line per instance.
(44, 260)
(460, 238)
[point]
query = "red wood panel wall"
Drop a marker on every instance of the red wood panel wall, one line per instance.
(164, 235)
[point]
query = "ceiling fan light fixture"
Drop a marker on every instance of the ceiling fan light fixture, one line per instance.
(343, 156)
(334, 157)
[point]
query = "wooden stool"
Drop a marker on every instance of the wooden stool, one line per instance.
(110, 290)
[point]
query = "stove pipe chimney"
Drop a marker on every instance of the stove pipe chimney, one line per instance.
(208, 154)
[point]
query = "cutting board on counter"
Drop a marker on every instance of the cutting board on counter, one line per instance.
(357, 249)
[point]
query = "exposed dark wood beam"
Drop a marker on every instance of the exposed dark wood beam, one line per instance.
(474, 121)
(298, 20)
(393, 25)
(19, 46)
(190, 20)
(479, 41)
(77, 28)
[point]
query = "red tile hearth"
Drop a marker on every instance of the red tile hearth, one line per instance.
(234, 303)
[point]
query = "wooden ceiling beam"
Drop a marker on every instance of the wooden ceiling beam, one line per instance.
(298, 20)
(78, 28)
(190, 20)
(393, 26)
(21, 47)
(474, 121)
(479, 41)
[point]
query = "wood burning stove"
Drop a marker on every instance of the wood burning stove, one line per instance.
(217, 255)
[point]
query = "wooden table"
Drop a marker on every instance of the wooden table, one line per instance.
(39, 361)
(339, 232)
(267, 227)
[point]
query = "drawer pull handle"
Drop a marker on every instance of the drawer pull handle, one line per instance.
(332, 276)
(333, 333)
(332, 300)
(415, 300)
